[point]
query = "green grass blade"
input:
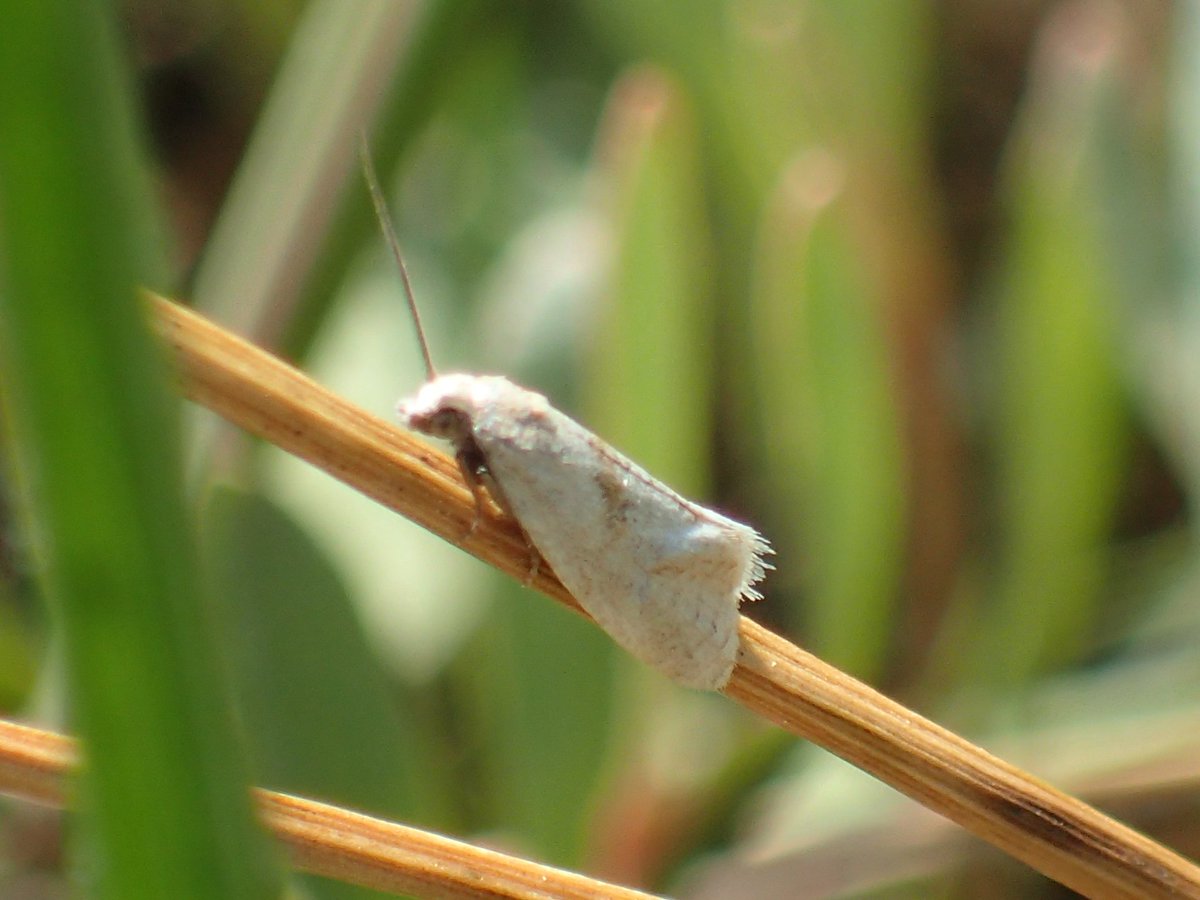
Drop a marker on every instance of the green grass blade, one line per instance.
(537, 689)
(651, 390)
(277, 213)
(1062, 437)
(299, 653)
(831, 435)
(98, 440)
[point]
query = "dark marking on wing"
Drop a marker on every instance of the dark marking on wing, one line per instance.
(620, 463)
(615, 494)
(532, 418)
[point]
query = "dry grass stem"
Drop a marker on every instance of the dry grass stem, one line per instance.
(328, 841)
(1055, 833)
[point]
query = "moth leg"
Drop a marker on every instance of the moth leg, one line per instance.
(497, 494)
(473, 465)
(535, 561)
(469, 466)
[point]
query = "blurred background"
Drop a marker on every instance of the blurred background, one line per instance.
(914, 288)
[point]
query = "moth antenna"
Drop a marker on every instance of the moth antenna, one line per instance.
(389, 232)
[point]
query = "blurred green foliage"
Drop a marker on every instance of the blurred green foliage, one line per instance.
(909, 286)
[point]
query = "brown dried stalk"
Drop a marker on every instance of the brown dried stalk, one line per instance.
(1054, 833)
(326, 840)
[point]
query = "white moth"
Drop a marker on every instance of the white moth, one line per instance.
(662, 575)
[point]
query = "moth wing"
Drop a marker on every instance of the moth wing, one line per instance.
(687, 594)
(660, 574)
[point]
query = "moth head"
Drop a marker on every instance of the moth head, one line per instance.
(443, 408)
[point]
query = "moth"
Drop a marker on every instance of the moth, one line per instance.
(662, 575)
